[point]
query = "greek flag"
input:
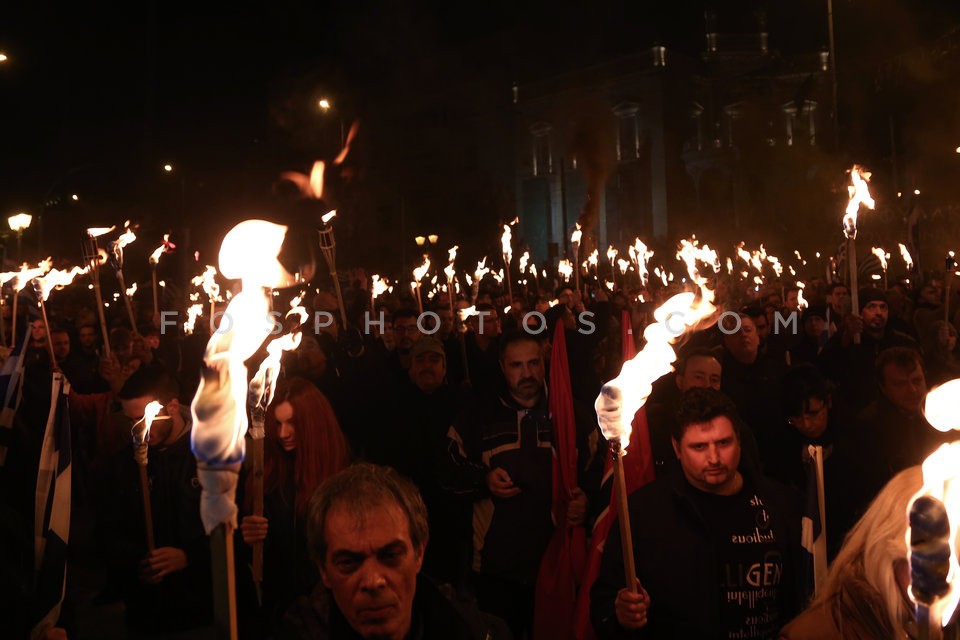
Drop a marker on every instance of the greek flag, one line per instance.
(52, 509)
(813, 530)
(11, 390)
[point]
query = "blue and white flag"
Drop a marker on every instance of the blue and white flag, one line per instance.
(813, 526)
(11, 391)
(52, 509)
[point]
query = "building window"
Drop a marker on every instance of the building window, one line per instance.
(731, 113)
(696, 114)
(542, 149)
(801, 124)
(659, 55)
(628, 131)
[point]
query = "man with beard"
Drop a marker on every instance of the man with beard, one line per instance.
(732, 538)
(500, 455)
(851, 365)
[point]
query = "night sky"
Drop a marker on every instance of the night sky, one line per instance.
(95, 100)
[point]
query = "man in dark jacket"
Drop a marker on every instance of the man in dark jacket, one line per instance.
(367, 530)
(714, 546)
(500, 455)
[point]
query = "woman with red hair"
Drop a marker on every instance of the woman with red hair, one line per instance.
(303, 447)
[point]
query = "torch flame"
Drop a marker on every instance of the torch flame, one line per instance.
(565, 268)
(481, 271)
(640, 256)
(126, 237)
(576, 235)
(26, 274)
(155, 256)
(882, 256)
(624, 265)
(248, 253)
(524, 259)
(594, 258)
(327, 217)
(859, 194)
(57, 279)
(208, 280)
(379, 286)
(96, 232)
(141, 434)
(421, 271)
(132, 289)
(623, 396)
(905, 254)
(505, 240)
(612, 254)
(194, 311)
(467, 312)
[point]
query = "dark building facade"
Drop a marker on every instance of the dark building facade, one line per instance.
(661, 144)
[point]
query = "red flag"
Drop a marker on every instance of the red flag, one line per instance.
(638, 470)
(563, 561)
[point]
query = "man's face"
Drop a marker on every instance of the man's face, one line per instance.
(427, 370)
(905, 388)
(793, 302)
(839, 299)
(61, 345)
(744, 344)
(565, 297)
(875, 316)
(446, 321)
(762, 323)
(37, 330)
(813, 420)
(709, 454)
(88, 337)
(405, 333)
(522, 366)
(701, 371)
(371, 569)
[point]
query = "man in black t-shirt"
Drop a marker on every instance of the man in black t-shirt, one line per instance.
(715, 545)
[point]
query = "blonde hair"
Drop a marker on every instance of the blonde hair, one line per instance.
(874, 544)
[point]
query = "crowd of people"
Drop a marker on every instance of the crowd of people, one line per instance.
(408, 469)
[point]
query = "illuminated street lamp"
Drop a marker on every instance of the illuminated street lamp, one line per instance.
(74, 197)
(3, 57)
(324, 104)
(420, 240)
(168, 168)
(18, 223)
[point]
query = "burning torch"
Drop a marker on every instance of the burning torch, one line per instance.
(166, 247)
(259, 396)
(575, 244)
(94, 256)
(248, 253)
(141, 439)
(859, 194)
(116, 251)
(328, 246)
